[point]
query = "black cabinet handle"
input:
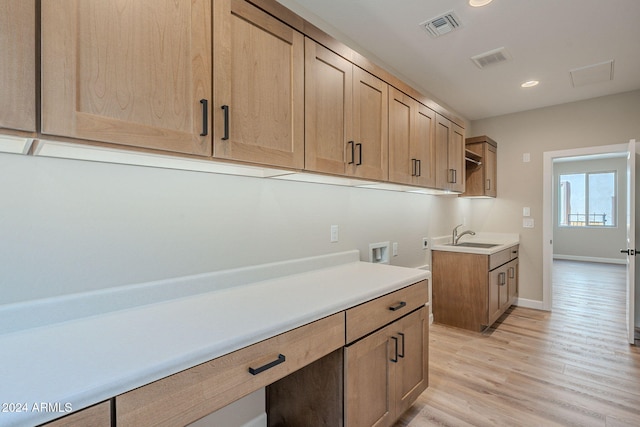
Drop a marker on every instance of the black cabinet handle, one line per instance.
(502, 278)
(398, 307)
(394, 359)
(402, 335)
(225, 108)
(269, 365)
(419, 163)
(205, 117)
(414, 167)
(353, 153)
(512, 272)
(359, 145)
(453, 176)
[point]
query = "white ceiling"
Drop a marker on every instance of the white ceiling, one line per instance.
(546, 39)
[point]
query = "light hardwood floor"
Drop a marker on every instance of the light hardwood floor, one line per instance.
(571, 366)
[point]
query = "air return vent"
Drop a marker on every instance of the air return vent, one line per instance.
(442, 24)
(491, 57)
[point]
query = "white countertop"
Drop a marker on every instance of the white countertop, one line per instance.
(85, 360)
(501, 240)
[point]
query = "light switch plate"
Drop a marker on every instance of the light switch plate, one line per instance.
(526, 211)
(334, 233)
(528, 222)
(526, 157)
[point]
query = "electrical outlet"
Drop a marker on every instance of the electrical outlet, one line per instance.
(334, 233)
(425, 243)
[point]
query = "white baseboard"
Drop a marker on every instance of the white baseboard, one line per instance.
(590, 259)
(530, 303)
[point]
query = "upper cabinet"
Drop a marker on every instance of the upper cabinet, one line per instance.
(258, 87)
(450, 173)
(129, 72)
(346, 116)
(481, 159)
(411, 141)
(18, 65)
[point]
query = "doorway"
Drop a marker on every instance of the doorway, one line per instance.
(549, 197)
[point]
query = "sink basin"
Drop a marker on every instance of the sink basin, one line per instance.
(477, 245)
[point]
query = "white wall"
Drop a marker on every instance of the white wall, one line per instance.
(586, 243)
(601, 121)
(70, 226)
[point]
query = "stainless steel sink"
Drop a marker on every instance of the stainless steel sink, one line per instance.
(477, 245)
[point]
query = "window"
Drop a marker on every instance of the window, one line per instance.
(587, 200)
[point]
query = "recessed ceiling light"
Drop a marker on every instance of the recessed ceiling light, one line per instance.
(479, 3)
(530, 83)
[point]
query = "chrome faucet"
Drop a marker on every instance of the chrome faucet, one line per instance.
(455, 236)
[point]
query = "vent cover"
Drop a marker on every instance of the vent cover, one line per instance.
(491, 57)
(442, 24)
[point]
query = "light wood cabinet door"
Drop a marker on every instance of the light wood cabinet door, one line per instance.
(328, 110)
(512, 281)
(128, 72)
(450, 173)
(386, 372)
(258, 106)
(491, 173)
(368, 383)
(412, 369)
(370, 127)
(411, 141)
(18, 65)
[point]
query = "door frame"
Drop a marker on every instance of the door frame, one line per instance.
(548, 196)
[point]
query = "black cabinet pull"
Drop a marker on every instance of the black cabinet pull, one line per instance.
(502, 278)
(419, 163)
(398, 307)
(205, 117)
(453, 176)
(225, 108)
(353, 153)
(402, 335)
(359, 145)
(269, 365)
(512, 272)
(414, 167)
(394, 359)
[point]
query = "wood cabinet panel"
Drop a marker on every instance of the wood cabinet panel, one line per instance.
(189, 395)
(328, 105)
(367, 317)
(368, 381)
(370, 127)
(95, 416)
(386, 371)
(127, 72)
(482, 178)
(450, 172)
(471, 291)
(259, 78)
(18, 65)
(411, 141)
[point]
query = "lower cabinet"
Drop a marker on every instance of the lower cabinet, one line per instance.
(386, 371)
(471, 291)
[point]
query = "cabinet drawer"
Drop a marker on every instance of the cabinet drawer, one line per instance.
(502, 257)
(189, 395)
(369, 316)
(95, 416)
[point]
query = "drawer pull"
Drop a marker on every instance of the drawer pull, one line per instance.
(205, 117)
(394, 359)
(225, 108)
(398, 307)
(269, 365)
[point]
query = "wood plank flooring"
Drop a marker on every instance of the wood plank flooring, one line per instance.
(568, 367)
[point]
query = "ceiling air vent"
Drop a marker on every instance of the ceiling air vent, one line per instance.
(442, 24)
(492, 57)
